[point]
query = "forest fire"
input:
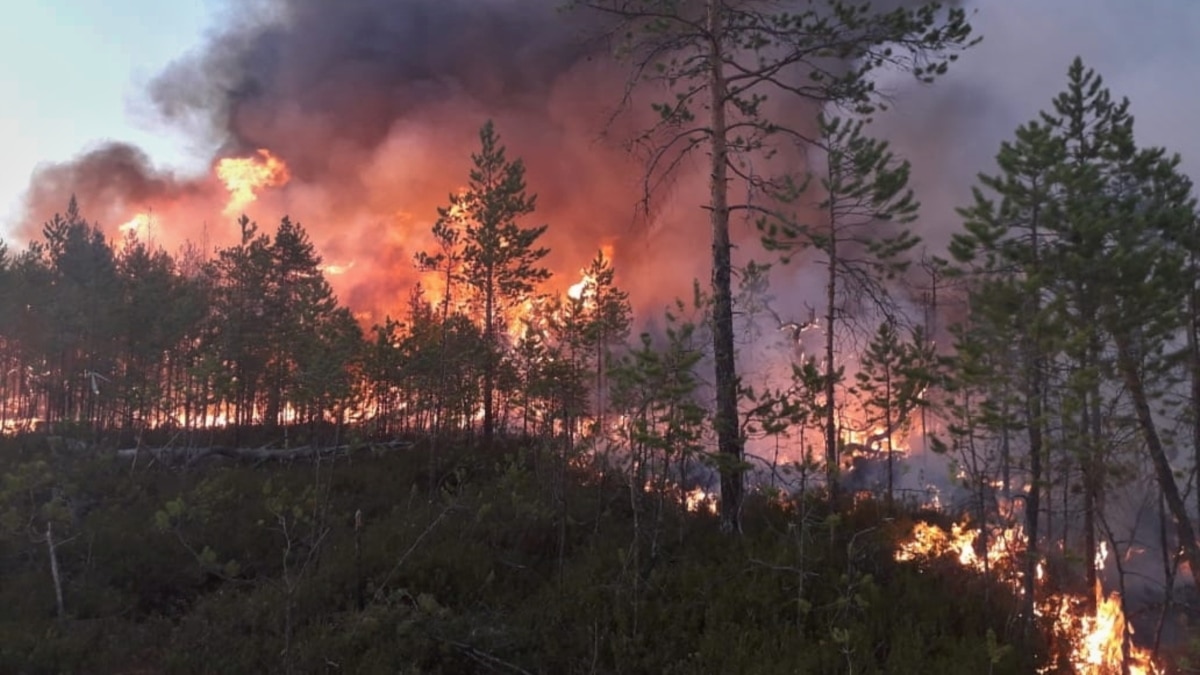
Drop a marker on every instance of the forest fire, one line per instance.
(245, 177)
(193, 312)
(1096, 641)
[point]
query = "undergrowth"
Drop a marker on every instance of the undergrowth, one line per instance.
(498, 561)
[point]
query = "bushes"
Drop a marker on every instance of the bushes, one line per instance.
(255, 569)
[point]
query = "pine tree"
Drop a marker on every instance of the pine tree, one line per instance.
(83, 314)
(862, 242)
(447, 263)
(726, 59)
(1079, 267)
(892, 381)
(501, 259)
(608, 317)
(1004, 248)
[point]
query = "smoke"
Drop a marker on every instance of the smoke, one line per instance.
(375, 107)
(109, 179)
(952, 130)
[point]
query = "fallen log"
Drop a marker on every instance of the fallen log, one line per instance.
(191, 455)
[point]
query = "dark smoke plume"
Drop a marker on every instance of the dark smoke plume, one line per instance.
(349, 70)
(375, 106)
(111, 180)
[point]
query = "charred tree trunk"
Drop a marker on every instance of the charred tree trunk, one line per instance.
(1033, 496)
(831, 430)
(1193, 340)
(1088, 469)
(728, 437)
(52, 549)
(887, 429)
(1035, 391)
(489, 360)
(1128, 368)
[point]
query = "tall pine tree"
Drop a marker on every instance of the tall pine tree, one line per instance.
(501, 259)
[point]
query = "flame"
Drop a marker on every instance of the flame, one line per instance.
(1101, 555)
(575, 292)
(585, 288)
(245, 177)
(698, 499)
(134, 224)
(137, 227)
(1095, 640)
(334, 270)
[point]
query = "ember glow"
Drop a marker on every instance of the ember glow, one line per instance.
(1095, 640)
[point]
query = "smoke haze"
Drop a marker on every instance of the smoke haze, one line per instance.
(375, 105)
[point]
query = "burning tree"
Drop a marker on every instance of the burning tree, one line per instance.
(727, 59)
(892, 382)
(1074, 256)
(501, 262)
(864, 189)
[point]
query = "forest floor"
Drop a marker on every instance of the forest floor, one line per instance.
(393, 558)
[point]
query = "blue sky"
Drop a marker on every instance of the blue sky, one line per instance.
(72, 74)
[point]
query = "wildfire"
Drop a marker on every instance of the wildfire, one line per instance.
(137, 227)
(931, 541)
(876, 440)
(1095, 640)
(575, 292)
(245, 177)
(136, 223)
(698, 499)
(334, 270)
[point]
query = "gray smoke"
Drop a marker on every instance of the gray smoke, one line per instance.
(349, 70)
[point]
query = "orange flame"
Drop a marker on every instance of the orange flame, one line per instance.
(1095, 640)
(245, 177)
(698, 499)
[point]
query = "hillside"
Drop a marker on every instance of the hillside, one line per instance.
(508, 565)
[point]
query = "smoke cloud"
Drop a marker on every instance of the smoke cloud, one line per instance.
(375, 105)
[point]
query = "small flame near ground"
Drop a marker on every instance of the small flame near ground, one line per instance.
(1095, 640)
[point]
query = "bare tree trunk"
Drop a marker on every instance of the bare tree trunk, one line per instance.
(1034, 374)
(1033, 496)
(1170, 565)
(728, 439)
(58, 594)
(359, 600)
(1194, 363)
(489, 361)
(1158, 455)
(887, 413)
(1089, 498)
(831, 430)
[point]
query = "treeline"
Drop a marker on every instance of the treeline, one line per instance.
(104, 337)
(125, 337)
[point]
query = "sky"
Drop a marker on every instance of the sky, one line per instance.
(72, 74)
(1146, 51)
